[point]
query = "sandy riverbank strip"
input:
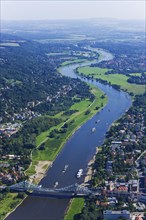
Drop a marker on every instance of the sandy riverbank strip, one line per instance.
(90, 169)
(40, 170)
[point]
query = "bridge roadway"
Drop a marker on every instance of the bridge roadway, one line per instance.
(72, 190)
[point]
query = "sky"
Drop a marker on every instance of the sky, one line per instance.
(77, 9)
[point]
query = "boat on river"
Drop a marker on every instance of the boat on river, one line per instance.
(60, 205)
(79, 173)
(56, 184)
(93, 129)
(97, 121)
(65, 168)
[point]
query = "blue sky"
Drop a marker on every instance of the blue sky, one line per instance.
(32, 10)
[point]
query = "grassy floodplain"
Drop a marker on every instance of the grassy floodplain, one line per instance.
(8, 204)
(118, 79)
(72, 61)
(10, 44)
(54, 145)
(75, 208)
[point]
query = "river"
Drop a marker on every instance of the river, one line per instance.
(77, 152)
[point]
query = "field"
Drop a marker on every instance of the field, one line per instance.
(9, 44)
(119, 79)
(8, 203)
(54, 145)
(72, 61)
(75, 208)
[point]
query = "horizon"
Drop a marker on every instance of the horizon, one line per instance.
(76, 19)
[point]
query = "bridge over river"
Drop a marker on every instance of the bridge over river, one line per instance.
(73, 190)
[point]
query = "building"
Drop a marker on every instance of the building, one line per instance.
(134, 185)
(122, 188)
(115, 215)
(142, 198)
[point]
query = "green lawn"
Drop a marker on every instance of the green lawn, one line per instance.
(119, 79)
(8, 203)
(10, 44)
(75, 208)
(54, 145)
(135, 74)
(72, 61)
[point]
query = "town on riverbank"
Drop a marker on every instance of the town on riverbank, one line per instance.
(119, 168)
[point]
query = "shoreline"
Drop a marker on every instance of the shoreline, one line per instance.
(62, 144)
(90, 171)
(41, 172)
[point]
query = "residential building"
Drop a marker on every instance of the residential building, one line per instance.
(115, 215)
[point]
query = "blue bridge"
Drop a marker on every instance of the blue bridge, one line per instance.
(74, 190)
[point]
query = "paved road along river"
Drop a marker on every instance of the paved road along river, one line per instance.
(77, 152)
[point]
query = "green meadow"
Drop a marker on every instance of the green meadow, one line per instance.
(52, 146)
(118, 79)
(75, 208)
(10, 44)
(8, 204)
(72, 61)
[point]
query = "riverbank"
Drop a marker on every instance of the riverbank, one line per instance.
(72, 62)
(90, 169)
(40, 164)
(40, 170)
(54, 145)
(76, 205)
(113, 79)
(12, 199)
(78, 148)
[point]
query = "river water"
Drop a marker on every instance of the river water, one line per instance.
(77, 152)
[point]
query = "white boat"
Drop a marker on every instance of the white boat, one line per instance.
(79, 173)
(56, 184)
(93, 129)
(65, 168)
